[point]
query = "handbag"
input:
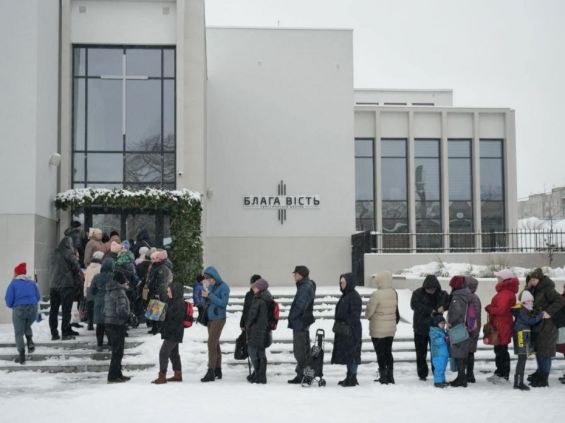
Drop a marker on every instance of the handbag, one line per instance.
(203, 317)
(490, 334)
(458, 333)
(145, 293)
(156, 310)
(561, 336)
(240, 352)
(341, 328)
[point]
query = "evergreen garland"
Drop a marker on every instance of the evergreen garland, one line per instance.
(183, 206)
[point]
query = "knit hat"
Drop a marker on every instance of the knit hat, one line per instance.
(437, 319)
(98, 255)
(302, 271)
(261, 284)
(254, 278)
(504, 274)
(536, 274)
(125, 245)
(20, 269)
(457, 282)
(526, 296)
(143, 251)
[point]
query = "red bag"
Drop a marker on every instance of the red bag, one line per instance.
(188, 318)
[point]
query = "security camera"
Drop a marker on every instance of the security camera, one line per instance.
(180, 172)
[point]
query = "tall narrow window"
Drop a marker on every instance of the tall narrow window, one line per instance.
(461, 224)
(492, 195)
(364, 185)
(428, 195)
(394, 188)
(124, 117)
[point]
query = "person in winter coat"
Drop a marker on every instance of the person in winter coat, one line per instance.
(500, 315)
(125, 264)
(381, 312)
(347, 329)
(98, 292)
(64, 281)
(300, 317)
(426, 301)
(561, 347)
(217, 296)
(93, 245)
(474, 325)
(439, 350)
(172, 333)
(116, 316)
(142, 240)
(197, 298)
(76, 233)
(160, 276)
(457, 314)
(548, 301)
(524, 318)
(258, 330)
(247, 301)
(22, 296)
(91, 271)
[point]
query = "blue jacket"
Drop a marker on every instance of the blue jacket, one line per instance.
(301, 314)
(22, 291)
(523, 322)
(438, 343)
(218, 295)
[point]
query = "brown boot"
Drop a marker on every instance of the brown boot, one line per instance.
(176, 378)
(161, 379)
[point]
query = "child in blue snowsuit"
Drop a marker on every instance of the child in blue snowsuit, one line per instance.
(439, 350)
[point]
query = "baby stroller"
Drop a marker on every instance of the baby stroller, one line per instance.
(316, 368)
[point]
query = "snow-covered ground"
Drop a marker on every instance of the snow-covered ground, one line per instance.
(85, 397)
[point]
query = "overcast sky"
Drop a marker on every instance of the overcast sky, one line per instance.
(500, 53)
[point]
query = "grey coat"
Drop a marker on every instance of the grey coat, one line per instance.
(457, 314)
(257, 321)
(116, 304)
(475, 303)
(64, 270)
(301, 314)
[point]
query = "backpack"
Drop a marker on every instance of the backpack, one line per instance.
(273, 313)
(188, 317)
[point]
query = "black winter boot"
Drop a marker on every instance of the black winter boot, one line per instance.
(562, 379)
(390, 375)
(470, 368)
(533, 376)
(30, 344)
(350, 381)
(382, 375)
(251, 377)
(541, 381)
(344, 381)
(21, 358)
(461, 380)
(261, 373)
(218, 372)
(209, 376)
(519, 383)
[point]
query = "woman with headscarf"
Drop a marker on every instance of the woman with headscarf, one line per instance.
(474, 325)
(457, 315)
(347, 329)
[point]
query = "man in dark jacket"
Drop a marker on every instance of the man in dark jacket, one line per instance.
(76, 233)
(64, 282)
(116, 315)
(426, 301)
(258, 330)
(300, 317)
(247, 301)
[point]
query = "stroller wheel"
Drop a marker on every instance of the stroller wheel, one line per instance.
(322, 382)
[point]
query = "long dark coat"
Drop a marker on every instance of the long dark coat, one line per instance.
(246, 307)
(98, 289)
(475, 304)
(547, 299)
(425, 304)
(173, 326)
(347, 349)
(457, 314)
(159, 277)
(257, 329)
(64, 270)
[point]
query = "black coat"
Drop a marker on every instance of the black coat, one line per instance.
(160, 276)
(425, 304)
(457, 313)
(64, 270)
(257, 329)
(301, 314)
(173, 328)
(547, 299)
(98, 289)
(246, 306)
(347, 349)
(116, 304)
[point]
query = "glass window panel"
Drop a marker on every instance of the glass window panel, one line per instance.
(491, 180)
(428, 210)
(492, 213)
(461, 216)
(137, 222)
(103, 185)
(105, 61)
(143, 62)
(169, 167)
(169, 115)
(143, 115)
(105, 167)
(460, 182)
(491, 148)
(364, 179)
(395, 210)
(79, 104)
(364, 148)
(427, 179)
(104, 115)
(459, 148)
(393, 174)
(78, 185)
(107, 222)
(393, 148)
(169, 62)
(78, 167)
(426, 148)
(143, 167)
(79, 61)
(395, 226)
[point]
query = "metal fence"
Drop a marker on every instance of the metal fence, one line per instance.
(522, 241)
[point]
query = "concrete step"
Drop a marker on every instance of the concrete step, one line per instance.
(72, 367)
(96, 356)
(70, 345)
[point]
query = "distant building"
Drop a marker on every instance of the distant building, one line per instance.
(549, 205)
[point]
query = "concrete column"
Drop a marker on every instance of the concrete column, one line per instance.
(378, 181)
(510, 177)
(411, 183)
(444, 157)
(476, 182)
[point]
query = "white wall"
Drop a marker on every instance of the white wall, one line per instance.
(280, 107)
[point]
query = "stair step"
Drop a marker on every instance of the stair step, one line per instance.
(72, 367)
(97, 356)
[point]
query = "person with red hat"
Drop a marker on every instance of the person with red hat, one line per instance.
(22, 296)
